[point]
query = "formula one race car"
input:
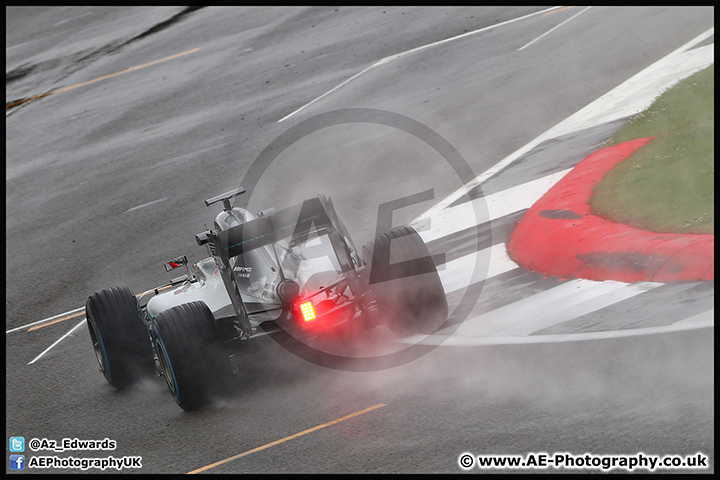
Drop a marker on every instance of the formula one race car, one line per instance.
(294, 270)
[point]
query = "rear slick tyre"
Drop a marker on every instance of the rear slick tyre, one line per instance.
(406, 287)
(119, 336)
(186, 341)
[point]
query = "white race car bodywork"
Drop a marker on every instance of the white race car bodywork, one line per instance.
(257, 279)
(209, 289)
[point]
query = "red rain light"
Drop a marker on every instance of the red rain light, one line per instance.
(308, 311)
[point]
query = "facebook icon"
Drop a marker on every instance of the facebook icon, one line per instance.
(17, 462)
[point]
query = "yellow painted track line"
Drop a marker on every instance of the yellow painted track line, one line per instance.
(282, 440)
(37, 322)
(131, 69)
(67, 316)
(556, 11)
(61, 319)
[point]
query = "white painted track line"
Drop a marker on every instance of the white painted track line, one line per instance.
(553, 29)
(57, 341)
(50, 319)
(144, 205)
(702, 320)
(408, 52)
(459, 273)
(540, 311)
(597, 297)
(499, 204)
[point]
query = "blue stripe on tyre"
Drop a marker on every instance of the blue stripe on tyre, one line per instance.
(106, 367)
(174, 389)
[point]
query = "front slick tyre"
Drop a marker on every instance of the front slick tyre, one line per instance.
(187, 345)
(119, 336)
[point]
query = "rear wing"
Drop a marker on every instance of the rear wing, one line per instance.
(295, 223)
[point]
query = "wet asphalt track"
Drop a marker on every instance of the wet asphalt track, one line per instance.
(165, 136)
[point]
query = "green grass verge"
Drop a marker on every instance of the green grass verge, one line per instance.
(667, 186)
